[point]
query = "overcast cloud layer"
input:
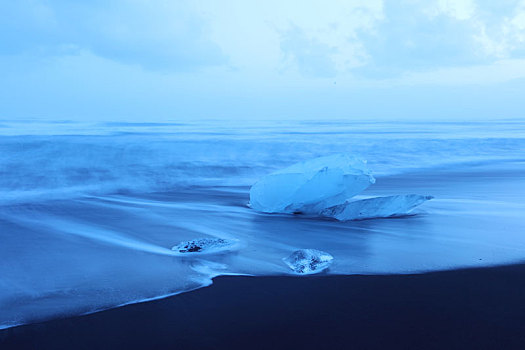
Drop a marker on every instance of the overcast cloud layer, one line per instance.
(163, 60)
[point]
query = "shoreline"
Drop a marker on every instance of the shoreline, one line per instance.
(468, 308)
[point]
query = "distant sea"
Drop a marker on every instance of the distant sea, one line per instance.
(89, 211)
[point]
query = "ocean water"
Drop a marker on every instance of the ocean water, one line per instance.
(89, 211)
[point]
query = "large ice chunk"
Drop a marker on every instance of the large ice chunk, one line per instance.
(311, 186)
(377, 207)
(308, 261)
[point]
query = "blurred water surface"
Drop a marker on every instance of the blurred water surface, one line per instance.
(89, 211)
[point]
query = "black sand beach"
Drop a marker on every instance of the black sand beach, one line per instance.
(461, 309)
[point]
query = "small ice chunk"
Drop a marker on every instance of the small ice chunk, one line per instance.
(311, 186)
(204, 245)
(308, 261)
(377, 207)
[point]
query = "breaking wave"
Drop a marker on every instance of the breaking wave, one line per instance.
(149, 157)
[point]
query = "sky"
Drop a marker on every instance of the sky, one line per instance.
(158, 60)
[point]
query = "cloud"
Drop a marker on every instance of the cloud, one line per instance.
(417, 36)
(204, 58)
(457, 9)
(501, 35)
(314, 38)
(155, 34)
(497, 28)
(311, 57)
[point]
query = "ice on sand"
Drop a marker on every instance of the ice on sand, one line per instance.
(308, 261)
(311, 186)
(325, 187)
(377, 207)
(204, 245)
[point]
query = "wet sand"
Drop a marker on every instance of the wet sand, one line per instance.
(462, 309)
